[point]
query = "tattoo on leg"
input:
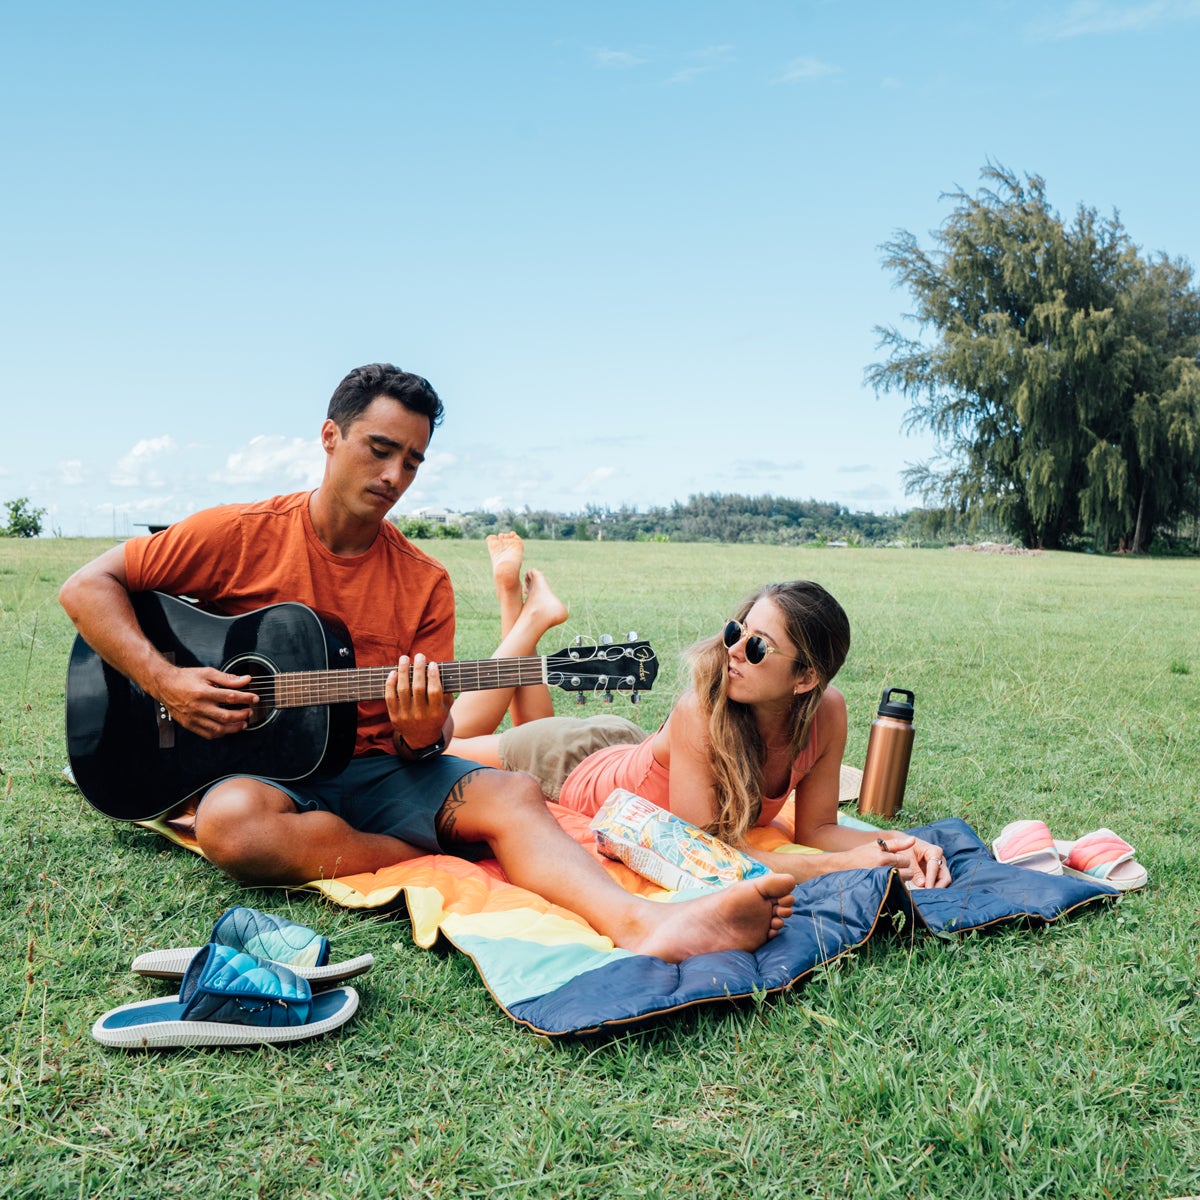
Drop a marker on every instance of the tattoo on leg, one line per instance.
(447, 817)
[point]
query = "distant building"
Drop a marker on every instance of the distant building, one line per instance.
(434, 516)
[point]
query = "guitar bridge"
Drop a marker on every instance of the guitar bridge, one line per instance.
(166, 730)
(166, 727)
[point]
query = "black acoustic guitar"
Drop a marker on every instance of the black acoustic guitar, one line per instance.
(133, 763)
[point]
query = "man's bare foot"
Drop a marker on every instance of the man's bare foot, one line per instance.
(740, 917)
(506, 550)
(544, 608)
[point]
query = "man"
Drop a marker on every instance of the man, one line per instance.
(400, 796)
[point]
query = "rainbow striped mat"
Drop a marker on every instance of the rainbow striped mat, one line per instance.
(550, 971)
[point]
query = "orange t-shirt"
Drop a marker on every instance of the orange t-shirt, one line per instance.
(393, 599)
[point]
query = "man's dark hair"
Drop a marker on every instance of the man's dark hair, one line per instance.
(355, 393)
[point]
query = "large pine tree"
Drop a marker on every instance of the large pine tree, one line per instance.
(1057, 367)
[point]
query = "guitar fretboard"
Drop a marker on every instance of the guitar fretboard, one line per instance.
(296, 689)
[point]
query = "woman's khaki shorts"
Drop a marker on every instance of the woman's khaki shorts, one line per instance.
(551, 748)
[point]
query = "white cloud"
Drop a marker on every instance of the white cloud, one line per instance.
(687, 74)
(266, 459)
(141, 467)
(1090, 17)
(873, 493)
(617, 59)
(71, 472)
(752, 467)
(434, 467)
(710, 58)
(801, 69)
(593, 478)
(154, 506)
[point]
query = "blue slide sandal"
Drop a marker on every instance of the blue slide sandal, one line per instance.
(265, 936)
(229, 999)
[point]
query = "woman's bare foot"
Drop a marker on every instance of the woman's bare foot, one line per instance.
(545, 609)
(740, 917)
(523, 620)
(506, 550)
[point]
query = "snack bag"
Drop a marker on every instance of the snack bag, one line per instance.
(666, 849)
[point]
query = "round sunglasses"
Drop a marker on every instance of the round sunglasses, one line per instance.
(756, 648)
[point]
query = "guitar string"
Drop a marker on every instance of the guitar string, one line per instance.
(343, 685)
(461, 667)
(371, 680)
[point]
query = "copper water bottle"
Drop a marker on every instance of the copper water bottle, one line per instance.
(889, 749)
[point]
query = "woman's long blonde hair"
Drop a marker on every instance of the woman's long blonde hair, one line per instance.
(819, 629)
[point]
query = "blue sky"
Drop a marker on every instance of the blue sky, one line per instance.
(635, 246)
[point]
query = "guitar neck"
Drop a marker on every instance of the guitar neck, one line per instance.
(297, 689)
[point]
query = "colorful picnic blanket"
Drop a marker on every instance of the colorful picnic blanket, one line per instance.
(550, 971)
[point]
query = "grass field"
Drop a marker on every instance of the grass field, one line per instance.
(1059, 1062)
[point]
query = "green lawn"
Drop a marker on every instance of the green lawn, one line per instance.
(1061, 1062)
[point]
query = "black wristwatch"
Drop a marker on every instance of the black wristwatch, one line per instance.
(410, 755)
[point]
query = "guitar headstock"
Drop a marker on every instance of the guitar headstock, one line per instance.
(630, 667)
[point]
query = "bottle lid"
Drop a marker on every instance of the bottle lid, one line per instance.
(900, 709)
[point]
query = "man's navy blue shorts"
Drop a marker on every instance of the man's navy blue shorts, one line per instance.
(381, 793)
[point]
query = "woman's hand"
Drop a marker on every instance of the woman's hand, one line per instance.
(923, 863)
(895, 852)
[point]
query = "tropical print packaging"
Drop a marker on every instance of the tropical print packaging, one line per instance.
(666, 849)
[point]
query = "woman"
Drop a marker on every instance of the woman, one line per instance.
(759, 721)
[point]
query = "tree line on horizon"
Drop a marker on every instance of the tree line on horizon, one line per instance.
(771, 520)
(762, 520)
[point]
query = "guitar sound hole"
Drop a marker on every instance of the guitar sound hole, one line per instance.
(264, 712)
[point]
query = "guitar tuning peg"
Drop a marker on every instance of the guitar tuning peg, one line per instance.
(608, 697)
(635, 697)
(578, 640)
(606, 639)
(580, 698)
(631, 636)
